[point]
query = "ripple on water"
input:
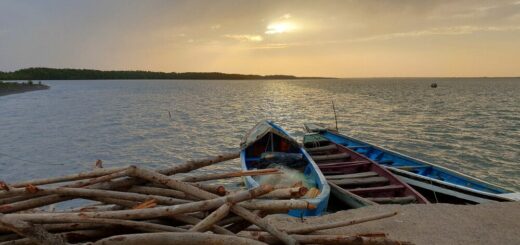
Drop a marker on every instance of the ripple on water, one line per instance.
(470, 125)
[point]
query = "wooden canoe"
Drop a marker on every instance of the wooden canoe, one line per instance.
(356, 180)
(437, 183)
(267, 143)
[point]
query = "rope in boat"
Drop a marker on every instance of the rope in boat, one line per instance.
(434, 193)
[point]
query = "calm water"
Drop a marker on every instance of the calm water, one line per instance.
(470, 125)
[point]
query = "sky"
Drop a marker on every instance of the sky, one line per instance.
(345, 38)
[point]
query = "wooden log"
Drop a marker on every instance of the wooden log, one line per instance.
(304, 229)
(119, 202)
(283, 193)
(72, 177)
(61, 227)
(330, 239)
(188, 219)
(277, 205)
(18, 198)
(150, 213)
(196, 164)
(254, 219)
(179, 168)
(30, 203)
(140, 225)
(244, 224)
(160, 191)
(87, 193)
(213, 218)
(101, 179)
(215, 189)
(50, 199)
(206, 177)
(187, 238)
(70, 236)
(93, 208)
(244, 213)
(127, 182)
(34, 232)
(361, 181)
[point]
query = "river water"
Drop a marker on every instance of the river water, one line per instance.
(469, 125)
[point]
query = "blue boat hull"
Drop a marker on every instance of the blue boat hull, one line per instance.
(311, 171)
(423, 175)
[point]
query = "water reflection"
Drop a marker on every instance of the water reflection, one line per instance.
(468, 125)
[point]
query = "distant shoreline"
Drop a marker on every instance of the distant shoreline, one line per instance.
(85, 74)
(16, 88)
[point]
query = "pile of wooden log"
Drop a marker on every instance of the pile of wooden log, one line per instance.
(134, 205)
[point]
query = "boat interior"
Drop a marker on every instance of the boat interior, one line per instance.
(273, 151)
(400, 162)
(256, 156)
(357, 174)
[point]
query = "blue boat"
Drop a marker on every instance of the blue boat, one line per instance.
(266, 146)
(437, 183)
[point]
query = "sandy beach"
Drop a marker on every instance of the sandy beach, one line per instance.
(496, 223)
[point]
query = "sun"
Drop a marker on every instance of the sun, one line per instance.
(280, 27)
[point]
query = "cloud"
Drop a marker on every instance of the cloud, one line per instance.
(444, 31)
(215, 27)
(440, 31)
(250, 38)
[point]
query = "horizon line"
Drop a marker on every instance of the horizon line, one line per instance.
(266, 75)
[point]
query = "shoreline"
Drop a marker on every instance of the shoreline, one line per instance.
(22, 88)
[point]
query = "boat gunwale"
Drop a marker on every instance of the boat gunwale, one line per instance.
(454, 172)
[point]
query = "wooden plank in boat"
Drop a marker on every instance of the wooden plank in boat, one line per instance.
(351, 176)
(321, 148)
(377, 188)
(350, 199)
(331, 157)
(361, 181)
(332, 164)
(390, 200)
(350, 165)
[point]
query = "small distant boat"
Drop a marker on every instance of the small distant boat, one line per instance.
(437, 183)
(356, 180)
(266, 146)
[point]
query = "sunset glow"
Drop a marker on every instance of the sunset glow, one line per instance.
(305, 38)
(280, 27)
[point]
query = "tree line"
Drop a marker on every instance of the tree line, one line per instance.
(87, 74)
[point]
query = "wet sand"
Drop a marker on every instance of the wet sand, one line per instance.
(497, 223)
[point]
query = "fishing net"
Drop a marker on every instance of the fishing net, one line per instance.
(288, 178)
